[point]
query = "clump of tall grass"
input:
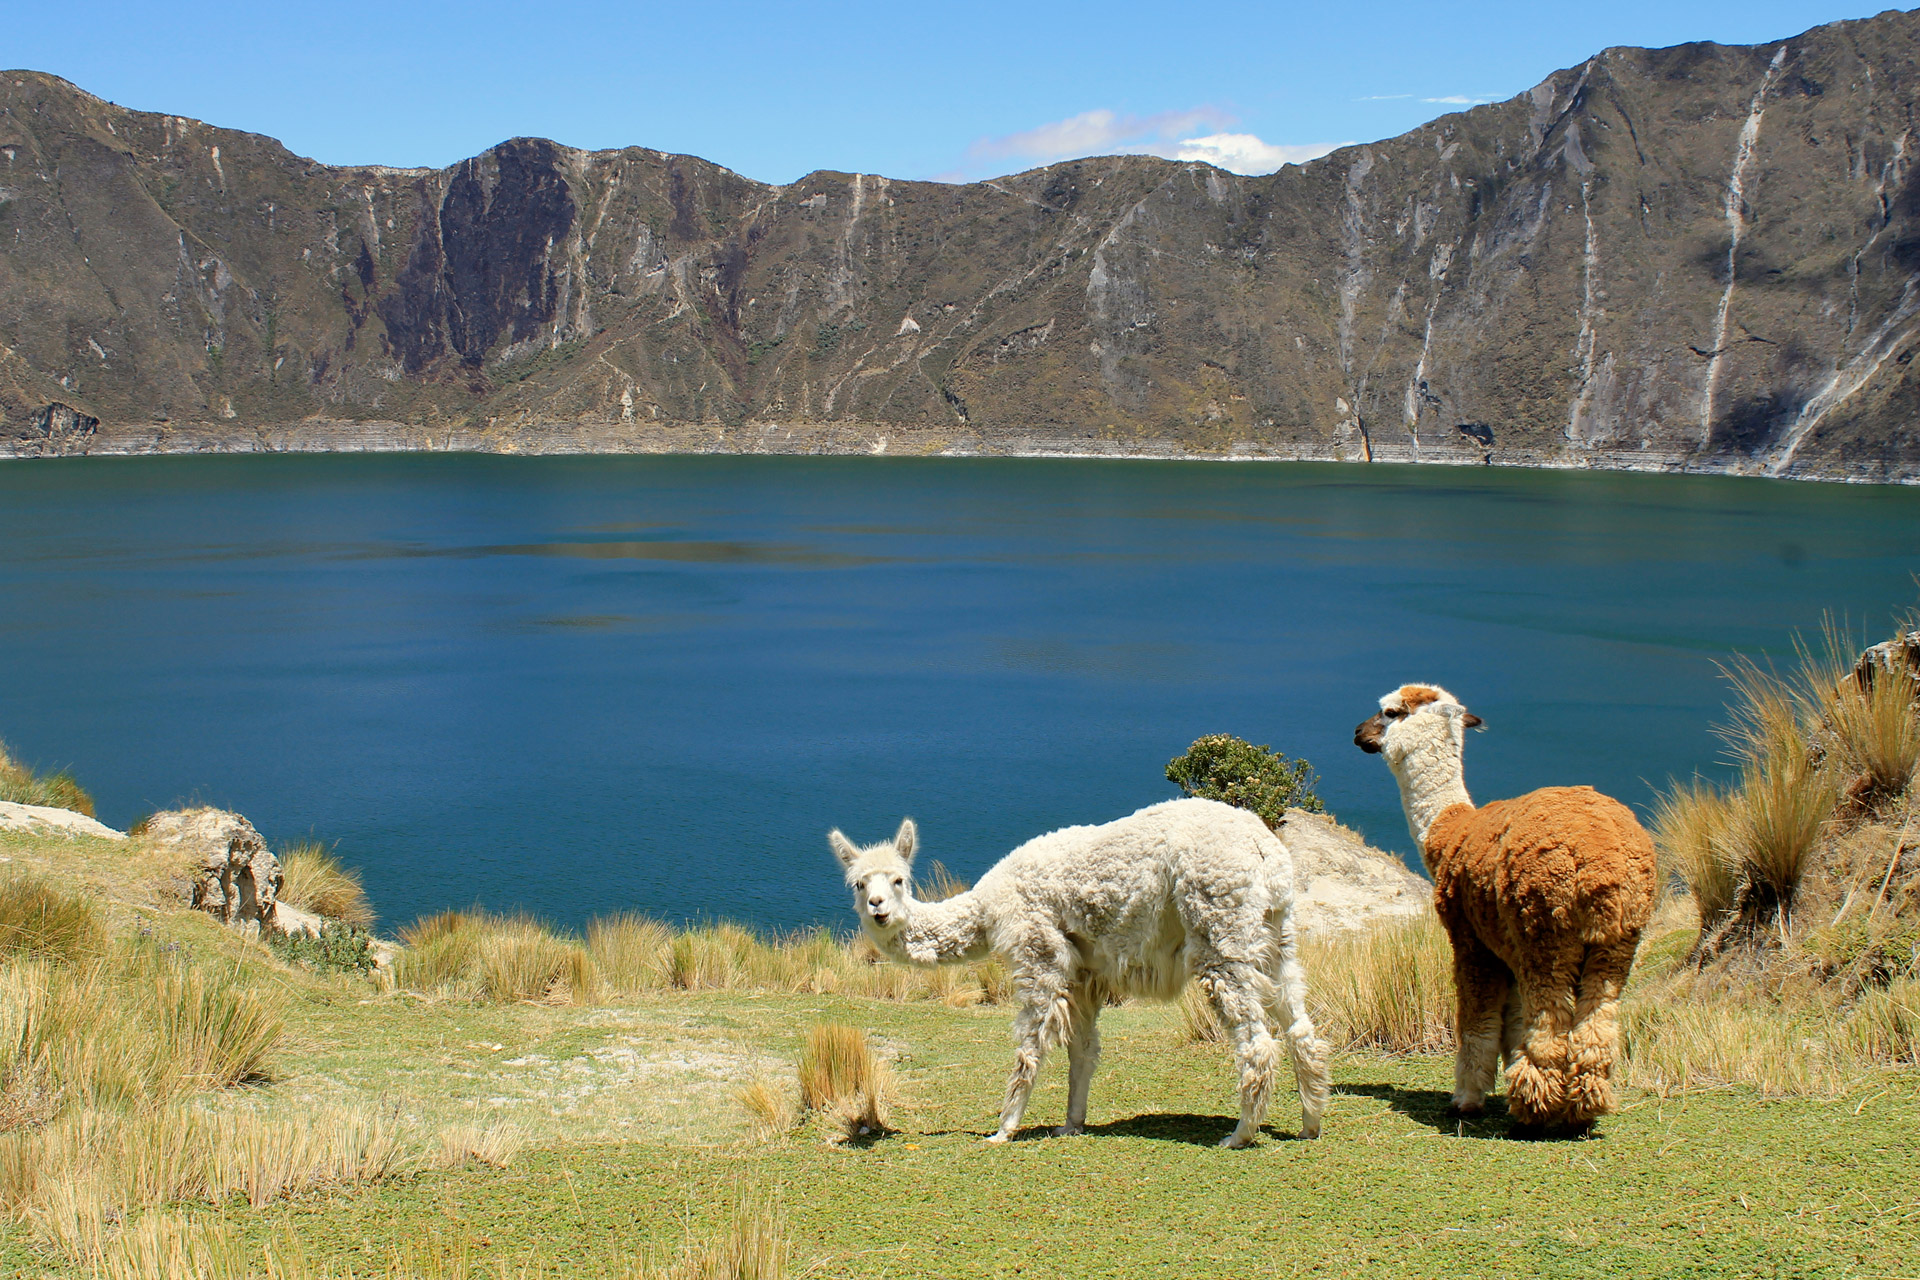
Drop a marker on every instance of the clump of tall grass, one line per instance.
(1867, 715)
(633, 954)
(750, 1243)
(636, 955)
(84, 1024)
(1744, 850)
(1199, 1019)
(1389, 987)
(38, 921)
(494, 1145)
(313, 880)
(844, 1085)
(1690, 822)
(72, 1180)
(769, 1108)
(492, 958)
(22, 785)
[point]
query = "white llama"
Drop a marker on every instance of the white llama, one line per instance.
(1129, 908)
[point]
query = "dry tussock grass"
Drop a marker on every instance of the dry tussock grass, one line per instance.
(22, 785)
(314, 880)
(1387, 988)
(751, 1244)
(844, 1086)
(480, 956)
(769, 1108)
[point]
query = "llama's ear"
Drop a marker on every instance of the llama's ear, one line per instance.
(843, 848)
(906, 838)
(1473, 721)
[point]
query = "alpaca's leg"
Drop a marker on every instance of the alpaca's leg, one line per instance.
(1537, 1078)
(1237, 993)
(1083, 1054)
(1288, 1008)
(1481, 983)
(1596, 1029)
(1042, 1022)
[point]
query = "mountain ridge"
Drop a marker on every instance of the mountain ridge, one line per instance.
(1700, 258)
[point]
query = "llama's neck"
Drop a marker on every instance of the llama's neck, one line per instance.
(942, 932)
(1431, 781)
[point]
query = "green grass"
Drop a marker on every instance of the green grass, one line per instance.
(1719, 1183)
(636, 1142)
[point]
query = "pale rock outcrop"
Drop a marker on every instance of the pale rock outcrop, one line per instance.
(231, 874)
(40, 819)
(1341, 882)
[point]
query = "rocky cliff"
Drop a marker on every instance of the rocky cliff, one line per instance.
(1701, 257)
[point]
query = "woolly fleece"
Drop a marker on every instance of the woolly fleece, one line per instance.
(1133, 907)
(1544, 897)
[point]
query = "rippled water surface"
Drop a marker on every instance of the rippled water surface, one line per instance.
(582, 685)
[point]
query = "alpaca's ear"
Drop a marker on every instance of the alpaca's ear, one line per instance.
(1473, 721)
(906, 838)
(843, 848)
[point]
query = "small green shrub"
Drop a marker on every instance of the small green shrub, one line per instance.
(1223, 767)
(22, 785)
(340, 948)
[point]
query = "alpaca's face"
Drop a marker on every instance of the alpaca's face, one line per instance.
(881, 877)
(1406, 715)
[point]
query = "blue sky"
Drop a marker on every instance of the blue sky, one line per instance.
(906, 89)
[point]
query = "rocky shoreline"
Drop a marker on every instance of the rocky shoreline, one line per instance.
(549, 438)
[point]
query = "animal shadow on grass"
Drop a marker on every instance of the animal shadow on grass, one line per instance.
(1432, 1108)
(1193, 1130)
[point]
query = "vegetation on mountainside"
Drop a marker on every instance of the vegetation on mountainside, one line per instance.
(1826, 754)
(22, 785)
(1220, 766)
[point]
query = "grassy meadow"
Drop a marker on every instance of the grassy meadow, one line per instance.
(646, 1115)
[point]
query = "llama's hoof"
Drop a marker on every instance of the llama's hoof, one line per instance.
(1233, 1141)
(1309, 1129)
(1069, 1130)
(999, 1137)
(1466, 1110)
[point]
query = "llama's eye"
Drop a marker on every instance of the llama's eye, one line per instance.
(1394, 713)
(897, 882)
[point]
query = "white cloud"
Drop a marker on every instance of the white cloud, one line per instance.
(1247, 154)
(1460, 100)
(1172, 134)
(1383, 97)
(1099, 132)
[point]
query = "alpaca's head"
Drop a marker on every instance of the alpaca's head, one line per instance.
(1411, 716)
(881, 877)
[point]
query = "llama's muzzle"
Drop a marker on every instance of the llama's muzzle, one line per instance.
(1370, 733)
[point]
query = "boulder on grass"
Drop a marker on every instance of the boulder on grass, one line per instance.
(1341, 882)
(230, 874)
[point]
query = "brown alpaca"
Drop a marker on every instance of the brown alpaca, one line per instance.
(1544, 897)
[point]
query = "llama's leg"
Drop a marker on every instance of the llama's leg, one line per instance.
(1288, 1008)
(1481, 984)
(1537, 1077)
(1236, 989)
(1596, 1029)
(1041, 1023)
(1083, 1053)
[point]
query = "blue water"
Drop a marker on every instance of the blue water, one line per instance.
(582, 685)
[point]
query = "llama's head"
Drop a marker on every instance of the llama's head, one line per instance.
(1411, 716)
(881, 877)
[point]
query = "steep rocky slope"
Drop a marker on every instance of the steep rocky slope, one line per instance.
(1700, 257)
